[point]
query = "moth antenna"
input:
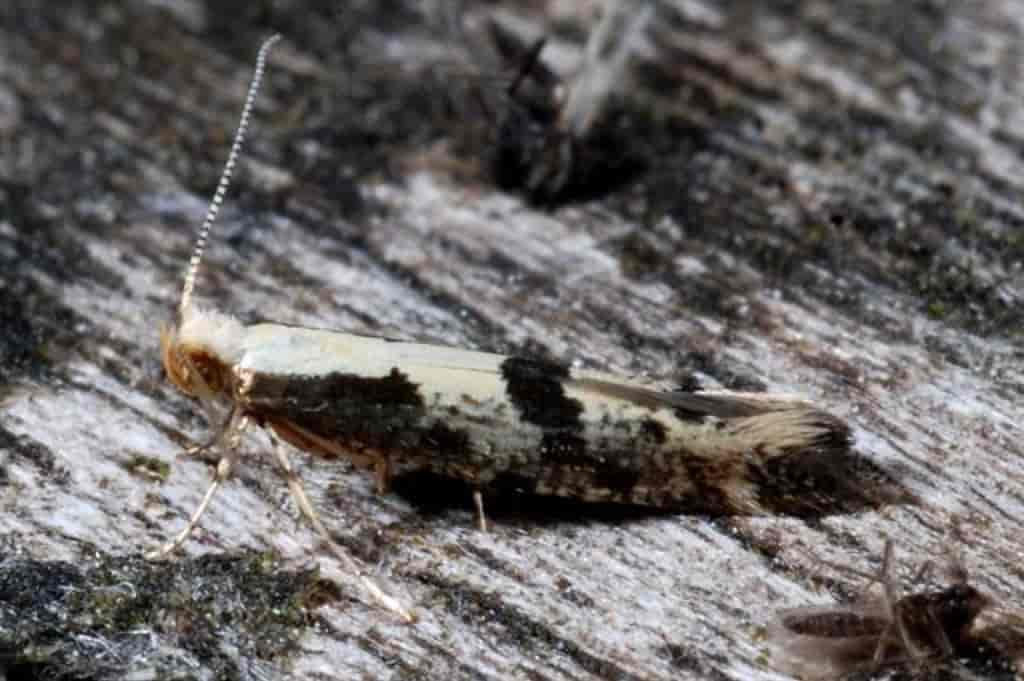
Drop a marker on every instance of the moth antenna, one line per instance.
(225, 176)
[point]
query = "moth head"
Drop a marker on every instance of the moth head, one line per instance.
(201, 350)
(199, 353)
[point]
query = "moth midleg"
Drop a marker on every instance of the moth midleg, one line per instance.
(306, 507)
(233, 429)
(481, 517)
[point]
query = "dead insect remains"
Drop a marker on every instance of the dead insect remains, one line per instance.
(881, 629)
(554, 140)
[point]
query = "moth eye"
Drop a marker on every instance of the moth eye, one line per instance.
(208, 370)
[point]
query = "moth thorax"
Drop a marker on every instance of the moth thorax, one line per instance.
(195, 370)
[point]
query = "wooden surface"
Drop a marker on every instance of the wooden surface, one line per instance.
(833, 208)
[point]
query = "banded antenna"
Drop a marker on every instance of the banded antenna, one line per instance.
(225, 176)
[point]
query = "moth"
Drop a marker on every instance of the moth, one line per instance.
(881, 629)
(552, 140)
(489, 420)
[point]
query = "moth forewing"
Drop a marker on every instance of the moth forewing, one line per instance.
(492, 420)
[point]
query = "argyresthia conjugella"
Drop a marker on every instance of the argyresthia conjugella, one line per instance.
(486, 419)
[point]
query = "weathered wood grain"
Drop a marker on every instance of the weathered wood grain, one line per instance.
(833, 208)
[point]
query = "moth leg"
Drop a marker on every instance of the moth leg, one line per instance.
(219, 434)
(481, 518)
(382, 470)
(234, 431)
(299, 494)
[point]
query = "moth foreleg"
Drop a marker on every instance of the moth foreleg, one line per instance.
(233, 429)
(219, 434)
(302, 500)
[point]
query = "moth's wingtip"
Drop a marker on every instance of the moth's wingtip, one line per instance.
(830, 433)
(816, 470)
